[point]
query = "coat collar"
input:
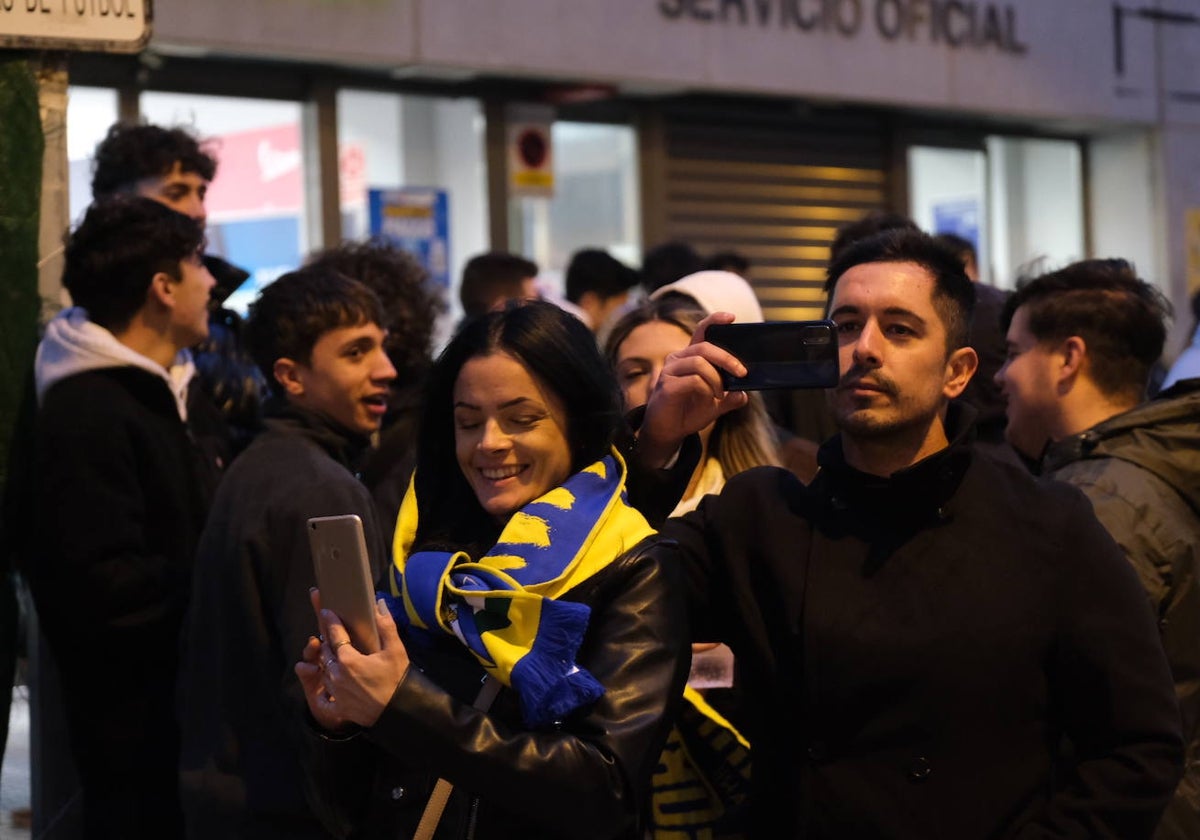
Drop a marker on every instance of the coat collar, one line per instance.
(344, 446)
(912, 496)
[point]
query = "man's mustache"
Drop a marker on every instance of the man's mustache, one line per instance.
(857, 376)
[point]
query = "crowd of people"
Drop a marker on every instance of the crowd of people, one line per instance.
(955, 596)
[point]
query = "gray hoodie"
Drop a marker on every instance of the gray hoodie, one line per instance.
(73, 344)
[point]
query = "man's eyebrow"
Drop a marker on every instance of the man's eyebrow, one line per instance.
(360, 341)
(844, 309)
(904, 313)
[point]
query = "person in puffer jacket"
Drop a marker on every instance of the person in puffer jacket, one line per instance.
(1082, 341)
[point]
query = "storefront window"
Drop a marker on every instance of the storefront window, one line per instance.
(423, 158)
(90, 111)
(948, 194)
(595, 203)
(1037, 205)
(256, 203)
(1019, 200)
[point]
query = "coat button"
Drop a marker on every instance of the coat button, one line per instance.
(397, 793)
(817, 751)
(920, 769)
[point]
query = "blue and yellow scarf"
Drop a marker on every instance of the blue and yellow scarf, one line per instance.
(503, 606)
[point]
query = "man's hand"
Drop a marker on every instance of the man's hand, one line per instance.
(344, 686)
(688, 395)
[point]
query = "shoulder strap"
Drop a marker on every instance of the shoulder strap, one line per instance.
(441, 791)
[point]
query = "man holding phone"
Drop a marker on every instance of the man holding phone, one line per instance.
(922, 628)
(318, 338)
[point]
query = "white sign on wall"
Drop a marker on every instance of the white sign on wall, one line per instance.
(100, 25)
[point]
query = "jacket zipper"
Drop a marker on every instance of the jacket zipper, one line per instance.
(472, 818)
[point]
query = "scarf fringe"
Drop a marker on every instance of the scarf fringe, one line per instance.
(551, 686)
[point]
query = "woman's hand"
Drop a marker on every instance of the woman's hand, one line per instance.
(688, 395)
(343, 686)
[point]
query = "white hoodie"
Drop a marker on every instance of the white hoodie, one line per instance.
(73, 344)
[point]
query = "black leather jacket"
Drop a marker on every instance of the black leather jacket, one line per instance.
(587, 778)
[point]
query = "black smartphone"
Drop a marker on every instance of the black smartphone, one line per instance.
(779, 354)
(339, 552)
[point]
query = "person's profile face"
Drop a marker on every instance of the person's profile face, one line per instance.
(1028, 386)
(895, 372)
(191, 295)
(640, 358)
(183, 192)
(510, 433)
(347, 378)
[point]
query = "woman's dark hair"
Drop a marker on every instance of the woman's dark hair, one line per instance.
(561, 353)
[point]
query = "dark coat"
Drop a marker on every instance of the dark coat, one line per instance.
(1141, 472)
(588, 779)
(914, 649)
(120, 487)
(241, 704)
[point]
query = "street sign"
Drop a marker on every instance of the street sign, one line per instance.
(94, 25)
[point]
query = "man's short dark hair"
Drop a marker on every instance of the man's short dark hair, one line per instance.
(958, 244)
(130, 152)
(953, 292)
(873, 222)
(290, 316)
(410, 303)
(668, 262)
(594, 270)
(1120, 317)
(114, 253)
(491, 278)
(733, 261)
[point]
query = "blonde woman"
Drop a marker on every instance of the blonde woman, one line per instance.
(637, 347)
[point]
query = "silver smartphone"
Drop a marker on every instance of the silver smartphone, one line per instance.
(339, 552)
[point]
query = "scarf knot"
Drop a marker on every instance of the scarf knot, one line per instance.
(504, 606)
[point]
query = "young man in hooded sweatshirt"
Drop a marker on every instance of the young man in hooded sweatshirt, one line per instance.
(120, 486)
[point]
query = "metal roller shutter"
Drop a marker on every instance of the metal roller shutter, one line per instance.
(775, 188)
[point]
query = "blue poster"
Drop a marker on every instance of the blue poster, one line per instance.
(958, 216)
(416, 219)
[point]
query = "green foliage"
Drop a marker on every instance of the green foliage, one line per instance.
(21, 147)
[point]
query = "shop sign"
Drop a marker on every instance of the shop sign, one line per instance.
(416, 219)
(953, 23)
(96, 25)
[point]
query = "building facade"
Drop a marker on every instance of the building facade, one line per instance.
(1044, 131)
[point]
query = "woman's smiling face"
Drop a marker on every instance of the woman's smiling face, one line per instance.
(510, 433)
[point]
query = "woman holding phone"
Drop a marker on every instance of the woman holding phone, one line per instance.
(520, 571)
(638, 346)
